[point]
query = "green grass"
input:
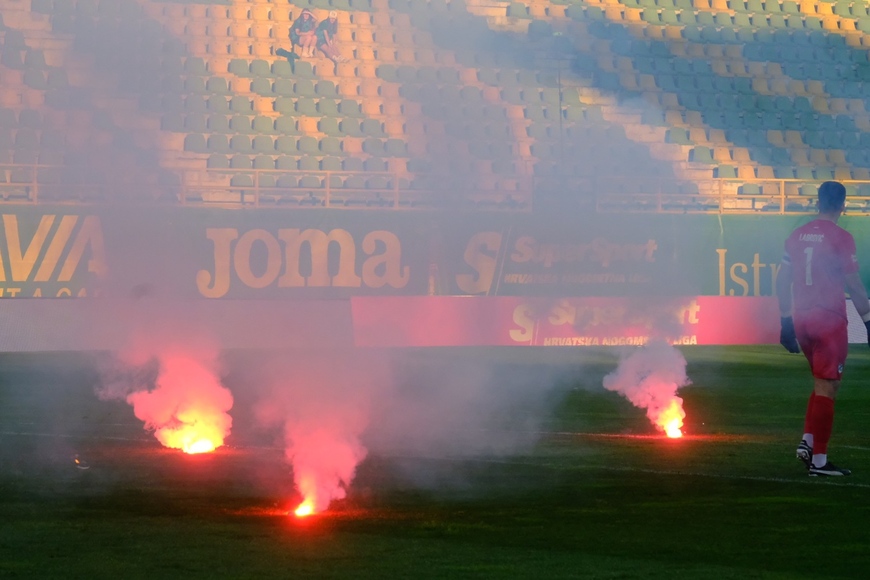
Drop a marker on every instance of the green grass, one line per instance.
(592, 500)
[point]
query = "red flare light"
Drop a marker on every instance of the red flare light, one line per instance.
(306, 508)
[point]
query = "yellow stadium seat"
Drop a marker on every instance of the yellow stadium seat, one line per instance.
(741, 155)
(197, 28)
(794, 139)
(722, 154)
(778, 86)
(390, 90)
(369, 87)
(394, 127)
(694, 118)
(819, 157)
(385, 55)
(365, 53)
(239, 11)
(820, 104)
(262, 12)
(856, 106)
(775, 138)
(307, 125)
(261, 30)
(367, 69)
(630, 14)
(837, 157)
(759, 85)
(344, 35)
(405, 55)
(697, 134)
(363, 35)
(176, 27)
(838, 106)
(800, 157)
(629, 81)
(720, 67)
(240, 29)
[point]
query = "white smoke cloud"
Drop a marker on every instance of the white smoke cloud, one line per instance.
(649, 378)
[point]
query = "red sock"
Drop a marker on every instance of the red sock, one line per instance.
(822, 421)
(808, 420)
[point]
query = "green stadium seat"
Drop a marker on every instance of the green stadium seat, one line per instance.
(325, 88)
(303, 70)
(262, 125)
(287, 181)
(350, 108)
(259, 68)
(375, 164)
(263, 162)
(287, 162)
(218, 144)
(172, 122)
(239, 67)
(352, 164)
(194, 65)
(309, 163)
(308, 144)
(240, 124)
(240, 144)
(239, 161)
(216, 161)
(195, 123)
(286, 126)
(195, 143)
(242, 180)
(327, 108)
(287, 145)
(328, 126)
(241, 105)
(218, 104)
(305, 106)
(284, 87)
(330, 164)
(373, 147)
(372, 128)
(330, 146)
(305, 88)
(217, 86)
(282, 68)
(395, 148)
(218, 124)
(263, 144)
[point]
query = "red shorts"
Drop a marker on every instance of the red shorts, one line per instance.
(824, 341)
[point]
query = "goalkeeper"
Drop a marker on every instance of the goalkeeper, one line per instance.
(819, 262)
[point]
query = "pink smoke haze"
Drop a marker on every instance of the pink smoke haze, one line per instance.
(323, 404)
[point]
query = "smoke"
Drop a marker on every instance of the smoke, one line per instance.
(322, 404)
(335, 408)
(649, 377)
(174, 387)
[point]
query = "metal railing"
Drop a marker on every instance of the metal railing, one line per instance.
(392, 190)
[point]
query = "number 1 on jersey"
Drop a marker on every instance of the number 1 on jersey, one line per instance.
(809, 269)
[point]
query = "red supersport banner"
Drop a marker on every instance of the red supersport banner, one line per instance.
(429, 321)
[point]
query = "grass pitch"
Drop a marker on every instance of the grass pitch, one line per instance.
(598, 497)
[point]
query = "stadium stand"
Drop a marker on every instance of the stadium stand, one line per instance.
(672, 105)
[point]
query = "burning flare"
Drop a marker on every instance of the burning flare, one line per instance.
(671, 419)
(649, 377)
(306, 508)
(188, 407)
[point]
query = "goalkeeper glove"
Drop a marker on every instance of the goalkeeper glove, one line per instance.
(787, 337)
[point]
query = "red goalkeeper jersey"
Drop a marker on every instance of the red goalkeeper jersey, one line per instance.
(822, 254)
